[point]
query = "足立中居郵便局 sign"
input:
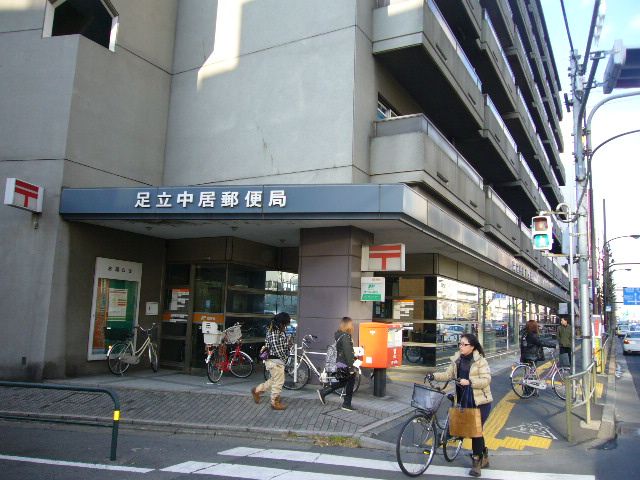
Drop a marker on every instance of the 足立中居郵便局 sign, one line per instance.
(372, 289)
(631, 295)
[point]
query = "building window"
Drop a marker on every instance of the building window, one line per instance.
(96, 20)
(385, 110)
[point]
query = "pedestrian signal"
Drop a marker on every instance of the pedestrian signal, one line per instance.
(542, 233)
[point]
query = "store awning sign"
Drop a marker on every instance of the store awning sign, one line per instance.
(25, 195)
(383, 258)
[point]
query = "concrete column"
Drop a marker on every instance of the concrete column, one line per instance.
(330, 281)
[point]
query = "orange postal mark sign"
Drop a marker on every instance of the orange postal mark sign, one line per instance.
(382, 344)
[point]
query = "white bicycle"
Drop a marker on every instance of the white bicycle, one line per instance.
(299, 367)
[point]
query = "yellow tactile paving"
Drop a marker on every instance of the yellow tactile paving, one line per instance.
(498, 419)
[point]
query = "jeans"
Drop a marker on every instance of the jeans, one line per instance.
(566, 350)
(348, 383)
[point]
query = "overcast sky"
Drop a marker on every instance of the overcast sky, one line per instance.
(616, 166)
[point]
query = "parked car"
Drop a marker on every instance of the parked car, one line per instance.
(631, 343)
(622, 329)
(452, 333)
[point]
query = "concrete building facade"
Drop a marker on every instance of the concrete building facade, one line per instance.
(222, 160)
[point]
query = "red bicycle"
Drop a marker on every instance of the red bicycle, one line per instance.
(219, 360)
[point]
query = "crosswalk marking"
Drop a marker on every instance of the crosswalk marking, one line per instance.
(387, 466)
(63, 463)
(188, 467)
(243, 471)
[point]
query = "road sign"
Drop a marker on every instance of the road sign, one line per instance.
(631, 295)
(372, 289)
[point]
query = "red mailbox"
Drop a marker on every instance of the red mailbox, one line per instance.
(382, 344)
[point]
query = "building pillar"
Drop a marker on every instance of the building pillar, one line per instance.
(329, 281)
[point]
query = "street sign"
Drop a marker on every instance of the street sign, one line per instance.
(597, 326)
(383, 258)
(25, 195)
(623, 69)
(631, 295)
(372, 289)
(609, 309)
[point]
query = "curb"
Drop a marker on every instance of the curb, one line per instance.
(608, 423)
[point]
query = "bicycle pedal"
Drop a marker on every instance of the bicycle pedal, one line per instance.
(427, 452)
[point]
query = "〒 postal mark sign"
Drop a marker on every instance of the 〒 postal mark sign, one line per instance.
(25, 195)
(383, 258)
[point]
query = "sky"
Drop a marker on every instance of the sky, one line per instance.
(616, 166)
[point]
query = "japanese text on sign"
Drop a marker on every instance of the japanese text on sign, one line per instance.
(204, 200)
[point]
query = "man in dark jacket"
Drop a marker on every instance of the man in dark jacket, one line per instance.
(564, 338)
(345, 373)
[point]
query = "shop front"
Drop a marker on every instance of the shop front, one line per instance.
(296, 249)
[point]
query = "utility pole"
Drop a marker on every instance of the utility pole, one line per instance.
(580, 95)
(605, 268)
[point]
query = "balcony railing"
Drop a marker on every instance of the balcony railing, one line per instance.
(420, 123)
(543, 152)
(530, 174)
(452, 38)
(503, 126)
(526, 56)
(495, 36)
(526, 109)
(502, 206)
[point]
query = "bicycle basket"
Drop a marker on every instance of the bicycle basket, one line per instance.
(233, 334)
(426, 398)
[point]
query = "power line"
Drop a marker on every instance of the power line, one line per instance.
(566, 26)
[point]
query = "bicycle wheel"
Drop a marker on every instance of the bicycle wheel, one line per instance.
(557, 382)
(215, 366)
(450, 445)
(116, 365)
(153, 356)
(518, 377)
(416, 444)
(302, 375)
(241, 365)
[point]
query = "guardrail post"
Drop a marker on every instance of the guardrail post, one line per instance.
(568, 385)
(587, 380)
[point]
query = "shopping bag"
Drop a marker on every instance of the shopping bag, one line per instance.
(464, 419)
(465, 422)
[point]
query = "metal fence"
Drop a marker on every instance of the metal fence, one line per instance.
(45, 386)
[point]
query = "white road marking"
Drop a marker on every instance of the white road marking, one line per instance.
(243, 471)
(188, 467)
(383, 465)
(62, 463)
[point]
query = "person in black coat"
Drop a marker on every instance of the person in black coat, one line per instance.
(532, 344)
(346, 373)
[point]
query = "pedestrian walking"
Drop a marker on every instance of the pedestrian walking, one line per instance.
(470, 369)
(564, 338)
(531, 344)
(278, 354)
(345, 370)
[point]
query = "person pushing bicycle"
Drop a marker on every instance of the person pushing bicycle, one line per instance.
(470, 369)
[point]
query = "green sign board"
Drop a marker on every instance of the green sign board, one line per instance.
(372, 289)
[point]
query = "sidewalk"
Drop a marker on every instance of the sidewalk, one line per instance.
(179, 402)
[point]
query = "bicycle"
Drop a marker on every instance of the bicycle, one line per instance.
(301, 364)
(218, 361)
(525, 380)
(123, 354)
(416, 444)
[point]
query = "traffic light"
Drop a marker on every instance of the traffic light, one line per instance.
(542, 232)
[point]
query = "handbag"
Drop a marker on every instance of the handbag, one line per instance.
(264, 353)
(465, 422)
